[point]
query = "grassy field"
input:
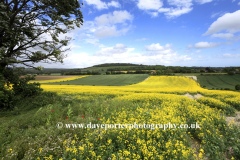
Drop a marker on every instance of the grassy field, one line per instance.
(197, 74)
(106, 80)
(30, 130)
(219, 81)
(56, 74)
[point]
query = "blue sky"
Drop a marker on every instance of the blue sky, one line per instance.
(156, 32)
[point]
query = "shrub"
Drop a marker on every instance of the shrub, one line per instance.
(237, 87)
(26, 89)
(231, 73)
(6, 95)
(19, 87)
(227, 89)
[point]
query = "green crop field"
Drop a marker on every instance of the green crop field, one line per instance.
(197, 74)
(56, 74)
(219, 81)
(106, 80)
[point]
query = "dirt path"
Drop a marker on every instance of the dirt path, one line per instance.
(146, 79)
(193, 97)
(193, 77)
(235, 119)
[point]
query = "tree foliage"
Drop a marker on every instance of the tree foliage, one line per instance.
(24, 25)
(237, 87)
(24, 22)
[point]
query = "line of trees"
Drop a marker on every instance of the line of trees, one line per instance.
(82, 73)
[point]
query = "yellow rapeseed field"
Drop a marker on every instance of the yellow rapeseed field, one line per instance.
(153, 103)
(157, 100)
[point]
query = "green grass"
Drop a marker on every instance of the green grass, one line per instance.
(197, 74)
(106, 80)
(219, 81)
(56, 74)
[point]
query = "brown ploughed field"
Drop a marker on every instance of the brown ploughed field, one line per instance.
(39, 78)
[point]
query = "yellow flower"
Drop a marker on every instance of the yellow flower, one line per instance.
(200, 155)
(40, 150)
(73, 142)
(74, 150)
(10, 151)
(49, 158)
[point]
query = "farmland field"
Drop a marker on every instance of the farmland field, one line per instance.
(157, 100)
(219, 81)
(50, 77)
(197, 74)
(106, 80)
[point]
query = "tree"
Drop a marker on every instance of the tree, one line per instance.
(47, 73)
(237, 87)
(23, 23)
(231, 73)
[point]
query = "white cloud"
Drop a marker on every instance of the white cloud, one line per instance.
(119, 46)
(142, 39)
(110, 51)
(177, 12)
(153, 7)
(182, 7)
(198, 51)
(229, 55)
(228, 22)
(157, 49)
(238, 3)
(119, 54)
(92, 41)
(89, 12)
(201, 57)
(221, 13)
(114, 4)
(149, 4)
(97, 3)
(109, 31)
(233, 0)
(164, 10)
(207, 45)
(99, 45)
(108, 25)
(203, 1)
(189, 46)
(114, 18)
(102, 5)
(153, 14)
(181, 3)
(223, 35)
(154, 47)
